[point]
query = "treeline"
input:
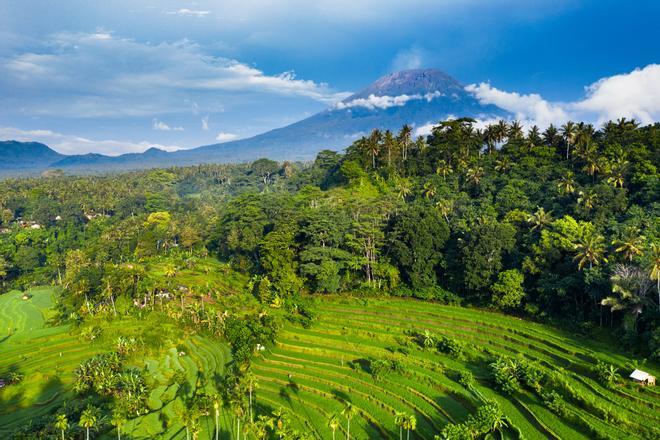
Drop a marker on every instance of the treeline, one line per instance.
(560, 224)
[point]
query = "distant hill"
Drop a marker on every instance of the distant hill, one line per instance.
(416, 97)
(16, 155)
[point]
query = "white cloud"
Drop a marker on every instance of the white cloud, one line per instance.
(161, 126)
(205, 123)
(226, 137)
(72, 144)
(530, 108)
(103, 75)
(189, 13)
(384, 102)
(412, 58)
(630, 95)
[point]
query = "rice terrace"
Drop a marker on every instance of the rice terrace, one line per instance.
(436, 366)
(329, 220)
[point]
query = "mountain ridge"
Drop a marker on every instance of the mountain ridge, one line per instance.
(415, 97)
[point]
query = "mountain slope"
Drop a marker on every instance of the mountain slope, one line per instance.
(415, 97)
(16, 155)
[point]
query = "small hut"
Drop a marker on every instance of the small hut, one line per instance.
(642, 377)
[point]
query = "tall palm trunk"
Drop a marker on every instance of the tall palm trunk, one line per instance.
(348, 430)
(251, 420)
(400, 432)
(87, 433)
(408, 434)
(118, 433)
(62, 434)
(216, 425)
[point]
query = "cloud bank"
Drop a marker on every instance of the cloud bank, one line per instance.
(99, 74)
(384, 102)
(161, 126)
(226, 137)
(629, 95)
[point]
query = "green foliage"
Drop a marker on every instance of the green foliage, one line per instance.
(606, 373)
(508, 290)
(417, 236)
(450, 346)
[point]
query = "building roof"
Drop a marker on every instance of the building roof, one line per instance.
(639, 375)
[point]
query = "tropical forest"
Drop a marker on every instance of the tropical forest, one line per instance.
(480, 282)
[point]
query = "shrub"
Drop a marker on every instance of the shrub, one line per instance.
(531, 375)
(450, 346)
(606, 373)
(554, 402)
(466, 378)
(505, 375)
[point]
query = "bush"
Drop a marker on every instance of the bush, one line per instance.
(434, 293)
(450, 346)
(554, 402)
(606, 373)
(505, 375)
(466, 378)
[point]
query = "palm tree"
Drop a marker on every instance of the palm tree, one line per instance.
(429, 339)
(443, 169)
(503, 165)
(239, 411)
(373, 146)
(251, 382)
(566, 184)
(280, 421)
(216, 410)
(409, 424)
(630, 287)
(445, 207)
(399, 418)
(631, 244)
(404, 188)
(333, 424)
(515, 130)
(170, 271)
(474, 174)
(501, 130)
(540, 219)
(405, 140)
(590, 249)
(497, 419)
(88, 419)
(655, 267)
(349, 411)
(429, 190)
(61, 423)
(587, 199)
(118, 420)
(568, 131)
(490, 138)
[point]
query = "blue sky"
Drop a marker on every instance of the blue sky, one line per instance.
(121, 76)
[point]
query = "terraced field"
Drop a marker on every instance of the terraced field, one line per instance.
(47, 357)
(314, 372)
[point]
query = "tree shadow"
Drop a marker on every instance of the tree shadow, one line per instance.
(294, 386)
(284, 394)
(341, 396)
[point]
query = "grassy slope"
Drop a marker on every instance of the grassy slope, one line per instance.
(47, 356)
(310, 372)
